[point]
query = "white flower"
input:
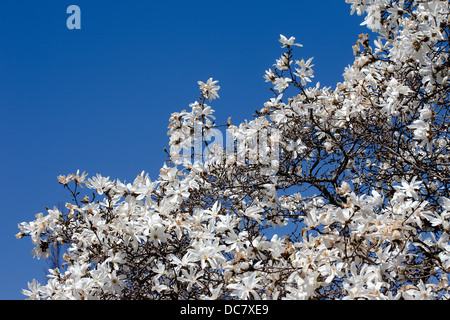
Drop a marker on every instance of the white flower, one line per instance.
(191, 278)
(157, 235)
(185, 262)
(421, 131)
(208, 255)
(209, 89)
(101, 184)
(288, 42)
(281, 84)
(305, 72)
(419, 292)
(33, 292)
(344, 188)
(117, 259)
(270, 76)
(65, 180)
(254, 213)
(283, 63)
(247, 287)
(410, 189)
(114, 282)
(446, 203)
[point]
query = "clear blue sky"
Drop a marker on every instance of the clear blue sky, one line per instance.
(99, 99)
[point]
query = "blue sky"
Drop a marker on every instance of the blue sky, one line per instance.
(99, 99)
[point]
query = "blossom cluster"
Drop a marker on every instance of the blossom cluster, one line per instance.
(358, 208)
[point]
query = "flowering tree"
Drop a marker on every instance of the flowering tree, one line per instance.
(359, 178)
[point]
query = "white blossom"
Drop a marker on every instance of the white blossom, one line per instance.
(356, 203)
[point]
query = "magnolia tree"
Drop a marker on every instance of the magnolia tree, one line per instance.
(326, 194)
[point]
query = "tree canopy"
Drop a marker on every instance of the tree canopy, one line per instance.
(327, 193)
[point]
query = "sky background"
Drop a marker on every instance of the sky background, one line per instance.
(99, 99)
